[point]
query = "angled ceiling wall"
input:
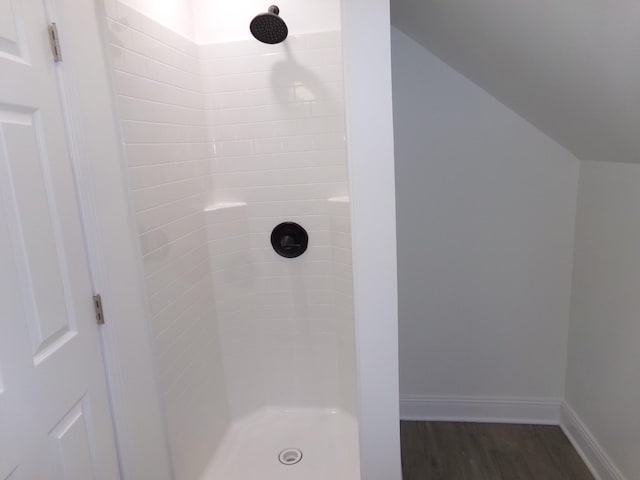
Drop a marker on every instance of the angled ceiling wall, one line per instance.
(570, 67)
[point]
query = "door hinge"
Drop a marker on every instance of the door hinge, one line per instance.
(54, 39)
(97, 304)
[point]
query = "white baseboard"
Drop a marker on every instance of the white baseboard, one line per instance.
(541, 411)
(587, 446)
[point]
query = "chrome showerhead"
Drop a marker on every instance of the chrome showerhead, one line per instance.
(269, 27)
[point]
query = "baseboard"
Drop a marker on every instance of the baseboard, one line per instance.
(540, 411)
(587, 446)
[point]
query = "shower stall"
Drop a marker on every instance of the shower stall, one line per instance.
(234, 139)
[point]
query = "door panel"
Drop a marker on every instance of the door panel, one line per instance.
(54, 409)
(39, 251)
(9, 38)
(70, 440)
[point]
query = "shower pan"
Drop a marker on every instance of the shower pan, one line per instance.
(237, 164)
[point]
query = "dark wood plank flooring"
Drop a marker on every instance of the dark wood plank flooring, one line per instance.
(487, 451)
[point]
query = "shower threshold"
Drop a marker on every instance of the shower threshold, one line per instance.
(252, 447)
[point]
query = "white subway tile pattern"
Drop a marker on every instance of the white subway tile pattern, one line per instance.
(256, 133)
(277, 117)
(164, 124)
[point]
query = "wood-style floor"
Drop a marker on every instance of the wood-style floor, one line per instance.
(483, 451)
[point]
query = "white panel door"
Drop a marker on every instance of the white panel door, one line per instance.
(54, 413)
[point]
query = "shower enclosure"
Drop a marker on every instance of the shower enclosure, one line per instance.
(227, 137)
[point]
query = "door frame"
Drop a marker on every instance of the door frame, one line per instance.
(366, 44)
(115, 257)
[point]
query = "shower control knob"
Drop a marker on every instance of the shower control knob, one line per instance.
(289, 240)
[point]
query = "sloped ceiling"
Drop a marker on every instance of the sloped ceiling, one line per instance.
(570, 67)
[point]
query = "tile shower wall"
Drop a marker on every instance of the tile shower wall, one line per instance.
(167, 144)
(277, 117)
(342, 279)
(223, 142)
(277, 113)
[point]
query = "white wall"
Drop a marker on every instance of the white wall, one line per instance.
(570, 67)
(372, 179)
(224, 142)
(218, 21)
(168, 149)
(603, 375)
(486, 207)
(276, 113)
(176, 15)
(367, 73)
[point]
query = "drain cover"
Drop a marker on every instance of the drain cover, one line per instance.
(290, 456)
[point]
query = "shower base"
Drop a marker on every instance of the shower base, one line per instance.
(328, 441)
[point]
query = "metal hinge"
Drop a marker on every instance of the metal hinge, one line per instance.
(55, 42)
(97, 304)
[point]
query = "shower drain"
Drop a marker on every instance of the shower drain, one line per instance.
(290, 456)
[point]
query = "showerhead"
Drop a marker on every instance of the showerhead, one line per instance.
(269, 27)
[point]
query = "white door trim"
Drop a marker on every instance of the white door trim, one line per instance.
(110, 234)
(366, 47)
